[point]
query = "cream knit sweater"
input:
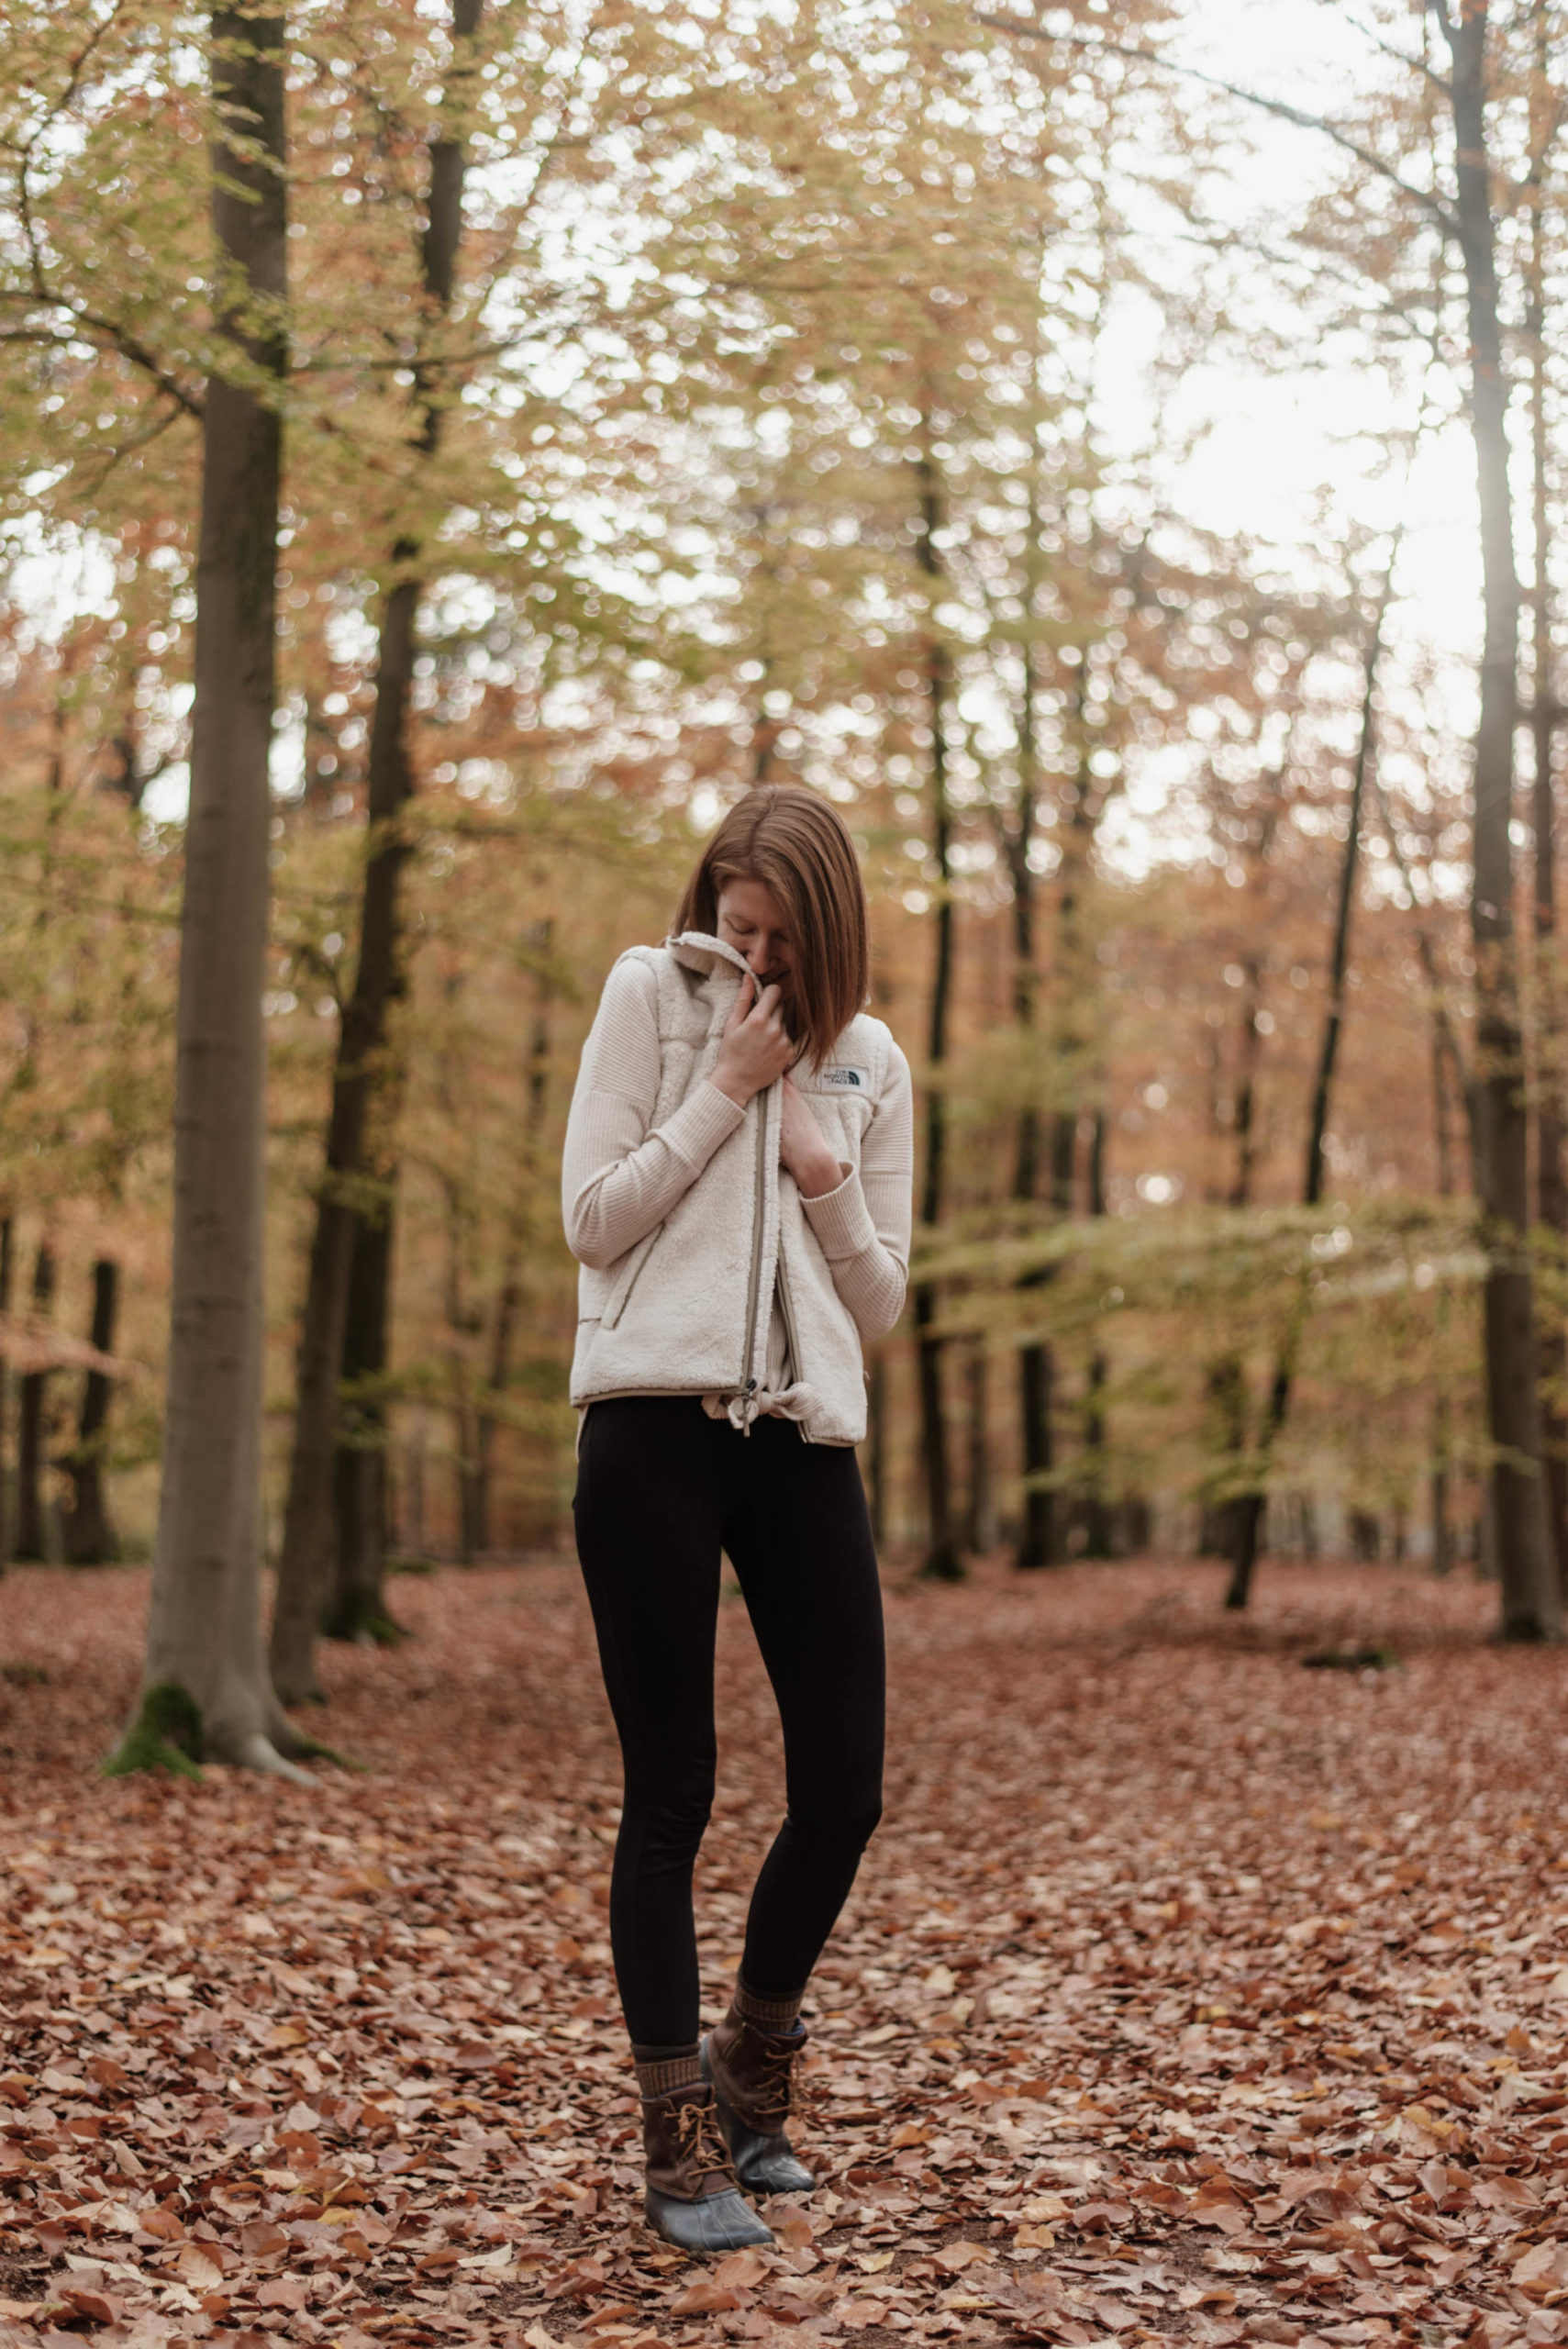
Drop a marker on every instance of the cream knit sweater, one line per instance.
(655, 1154)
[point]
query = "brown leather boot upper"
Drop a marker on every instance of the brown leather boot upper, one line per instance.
(753, 2071)
(687, 2157)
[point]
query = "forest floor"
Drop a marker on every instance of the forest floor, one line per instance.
(1187, 1994)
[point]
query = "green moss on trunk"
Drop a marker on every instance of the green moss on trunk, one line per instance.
(165, 1735)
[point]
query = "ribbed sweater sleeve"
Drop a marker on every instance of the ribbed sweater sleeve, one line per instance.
(617, 1178)
(864, 1226)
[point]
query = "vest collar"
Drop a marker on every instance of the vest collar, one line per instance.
(696, 951)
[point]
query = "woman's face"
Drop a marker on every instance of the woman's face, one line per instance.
(751, 919)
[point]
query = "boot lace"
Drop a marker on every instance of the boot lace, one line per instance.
(697, 2132)
(776, 2089)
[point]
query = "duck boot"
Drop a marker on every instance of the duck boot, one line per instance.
(692, 2199)
(752, 2069)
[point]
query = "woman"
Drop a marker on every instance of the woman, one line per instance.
(736, 1187)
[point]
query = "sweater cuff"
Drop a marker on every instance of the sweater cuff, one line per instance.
(842, 1219)
(704, 1118)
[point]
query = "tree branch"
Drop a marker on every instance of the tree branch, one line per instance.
(1429, 204)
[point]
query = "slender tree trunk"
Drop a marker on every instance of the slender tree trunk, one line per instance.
(7, 1468)
(206, 1681)
(33, 1513)
(461, 1330)
(1227, 1376)
(942, 1562)
(1245, 1123)
(509, 1299)
(1552, 1189)
(306, 1563)
(316, 1475)
(357, 1608)
(1098, 1527)
(979, 1525)
(1442, 1529)
(1531, 1600)
(1247, 1521)
(1037, 1536)
(86, 1531)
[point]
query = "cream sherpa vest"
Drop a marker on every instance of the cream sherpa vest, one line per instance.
(686, 1310)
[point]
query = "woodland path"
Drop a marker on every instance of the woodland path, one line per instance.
(1187, 1995)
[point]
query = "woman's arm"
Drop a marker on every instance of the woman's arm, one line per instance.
(864, 1226)
(619, 1179)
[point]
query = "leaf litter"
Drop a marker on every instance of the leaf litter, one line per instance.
(1184, 1996)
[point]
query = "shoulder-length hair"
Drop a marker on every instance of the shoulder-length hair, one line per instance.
(794, 843)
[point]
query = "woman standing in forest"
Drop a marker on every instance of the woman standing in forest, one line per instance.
(737, 1188)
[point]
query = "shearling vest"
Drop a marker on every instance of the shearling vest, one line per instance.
(686, 1310)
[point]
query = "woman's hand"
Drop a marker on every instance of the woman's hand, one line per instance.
(803, 1149)
(757, 1046)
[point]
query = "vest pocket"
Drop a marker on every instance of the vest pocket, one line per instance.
(627, 1278)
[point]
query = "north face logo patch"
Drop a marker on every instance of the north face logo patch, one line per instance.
(845, 1080)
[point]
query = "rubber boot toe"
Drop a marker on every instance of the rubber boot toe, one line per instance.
(766, 2165)
(716, 2222)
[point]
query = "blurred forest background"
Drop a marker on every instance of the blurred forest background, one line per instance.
(829, 391)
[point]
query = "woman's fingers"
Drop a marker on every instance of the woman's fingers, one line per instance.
(742, 1006)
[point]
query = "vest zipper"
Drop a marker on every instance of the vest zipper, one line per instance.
(759, 1201)
(787, 1308)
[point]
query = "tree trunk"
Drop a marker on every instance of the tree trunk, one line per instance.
(1551, 1190)
(316, 1476)
(206, 1683)
(1531, 1600)
(979, 1522)
(33, 1512)
(306, 1563)
(1097, 1528)
(942, 1563)
(1247, 1519)
(86, 1532)
(509, 1299)
(7, 1472)
(357, 1608)
(1036, 1535)
(1443, 1550)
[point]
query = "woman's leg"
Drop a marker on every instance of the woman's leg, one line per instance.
(801, 1542)
(648, 1511)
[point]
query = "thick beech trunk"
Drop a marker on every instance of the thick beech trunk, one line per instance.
(313, 1584)
(1531, 1600)
(942, 1562)
(86, 1531)
(206, 1680)
(33, 1511)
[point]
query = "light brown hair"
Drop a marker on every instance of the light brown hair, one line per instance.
(795, 845)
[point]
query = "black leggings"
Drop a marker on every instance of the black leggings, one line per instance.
(661, 1488)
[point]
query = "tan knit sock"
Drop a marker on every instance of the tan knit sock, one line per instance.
(768, 2014)
(669, 2072)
